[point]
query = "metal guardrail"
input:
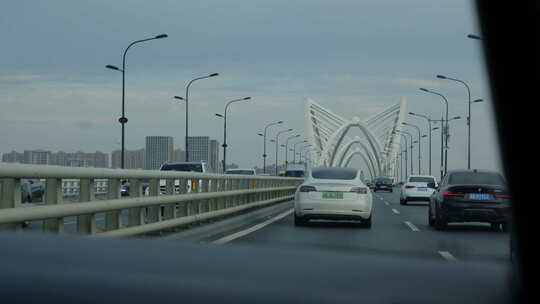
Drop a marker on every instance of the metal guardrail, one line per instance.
(188, 197)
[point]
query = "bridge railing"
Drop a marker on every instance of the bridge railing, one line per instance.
(184, 198)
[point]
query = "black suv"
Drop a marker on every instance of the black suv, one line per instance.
(383, 183)
(470, 196)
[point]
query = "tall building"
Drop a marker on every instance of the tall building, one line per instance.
(13, 157)
(80, 159)
(37, 157)
(202, 148)
(159, 149)
(134, 159)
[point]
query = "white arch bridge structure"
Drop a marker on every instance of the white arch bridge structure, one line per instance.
(335, 140)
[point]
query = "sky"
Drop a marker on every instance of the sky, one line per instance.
(354, 57)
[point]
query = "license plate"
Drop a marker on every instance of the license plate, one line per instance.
(480, 196)
(332, 195)
(422, 189)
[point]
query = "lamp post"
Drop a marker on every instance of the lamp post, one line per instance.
(224, 116)
(123, 120)
(429, 120)
(264, 145)
(442, 142)
(406, 151)
(187, 108)
(277, 145)
(294, 149)
(445, 128)
(302, 150)
(412, 148)
(468, 117)
(419, 145)
(287, 148)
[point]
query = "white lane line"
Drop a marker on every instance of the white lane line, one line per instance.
(395, 211)
(412, 226)
(447, 256)
(238, 234)
(387, 204)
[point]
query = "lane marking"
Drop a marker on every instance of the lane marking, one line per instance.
(395, 211)
(412, 226)
(239, 234)
(447, 256)
(387, 204)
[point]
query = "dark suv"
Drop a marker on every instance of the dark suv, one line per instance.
(470, 196)
(383, 183)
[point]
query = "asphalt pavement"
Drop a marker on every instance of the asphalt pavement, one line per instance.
(397, 229)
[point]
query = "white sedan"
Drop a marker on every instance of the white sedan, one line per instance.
(416, 188)
(333, 194)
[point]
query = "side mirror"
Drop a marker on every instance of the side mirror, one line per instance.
(431, 185)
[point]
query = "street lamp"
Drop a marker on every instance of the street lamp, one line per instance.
(287, 148)
(412, 148)
(224, 116)
(187, 108)
(301, 151)
(406, 151)
(429, 120)
(442, 142)
(294, 149)
(445, 128)
(419, 145)
(277, 144)
(468, 117)
(264, 145)
(123, 120)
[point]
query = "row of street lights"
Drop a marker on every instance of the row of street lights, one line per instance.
(123, 119)
(444, 127)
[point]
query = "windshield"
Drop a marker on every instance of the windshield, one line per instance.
(469, 178)
(334, 173)
(418, 179)
(307, 118)
(182, 167)
(240, 172)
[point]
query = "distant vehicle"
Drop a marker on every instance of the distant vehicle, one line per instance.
(416, 188)
(295, 170)
(333, 194)
(241, 171)
(383, 183)
(31, 189)
(470, 196)
(124, 187)
(182, 167)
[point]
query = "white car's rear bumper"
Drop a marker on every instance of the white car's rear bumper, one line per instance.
(333, 209)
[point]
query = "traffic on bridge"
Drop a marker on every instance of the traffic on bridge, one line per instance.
(318, 152)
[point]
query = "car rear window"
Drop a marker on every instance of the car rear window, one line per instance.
(334, 173)
(419, 179)
(384, 180)
(240, 172)
(182, 167)
(294, 173)
(483, 178)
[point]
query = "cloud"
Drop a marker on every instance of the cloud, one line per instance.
(20, 78)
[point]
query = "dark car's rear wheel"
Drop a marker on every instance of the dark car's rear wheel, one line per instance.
(402, 201)
(440, 222)
(505, 227)
(431, 222)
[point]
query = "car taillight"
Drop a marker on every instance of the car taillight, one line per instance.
(502, 195)
(409, 187)
(448, 193)
(307, 188)
(360, 190)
